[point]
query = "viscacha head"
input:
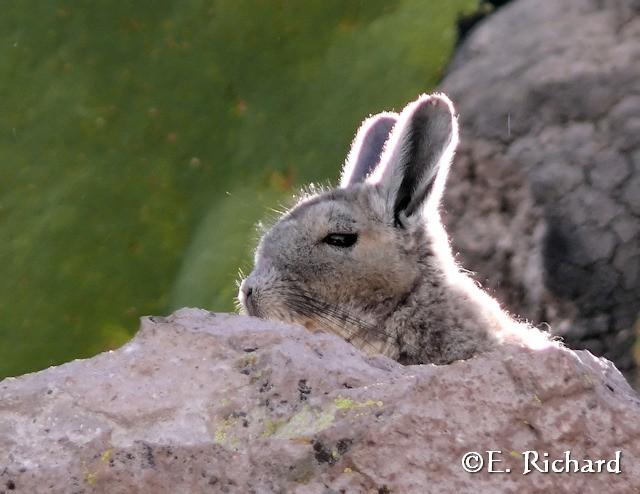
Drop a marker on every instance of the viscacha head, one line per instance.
(346, 259)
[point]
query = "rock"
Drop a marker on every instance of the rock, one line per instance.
(545, 188)
(202, 402)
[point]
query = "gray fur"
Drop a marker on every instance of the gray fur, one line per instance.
(367, 148)
(397, 290)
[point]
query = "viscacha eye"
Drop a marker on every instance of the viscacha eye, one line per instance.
(341, 239)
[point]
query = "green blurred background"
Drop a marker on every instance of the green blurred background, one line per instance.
(140, 142)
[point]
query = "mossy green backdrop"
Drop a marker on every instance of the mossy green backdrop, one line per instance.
(140, 142)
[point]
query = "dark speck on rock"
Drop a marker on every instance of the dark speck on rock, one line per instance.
(148, 455)
(303, 389)
(322, 454)
(343, 445)
(266, 386)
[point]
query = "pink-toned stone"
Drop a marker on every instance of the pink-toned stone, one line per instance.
(199, 402)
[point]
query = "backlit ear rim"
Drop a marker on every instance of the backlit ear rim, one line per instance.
(417, 155)
(367, 148)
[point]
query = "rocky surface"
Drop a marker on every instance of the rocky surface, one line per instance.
(202, 402)
(543, 202)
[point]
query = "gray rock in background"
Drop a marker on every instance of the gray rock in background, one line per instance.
(198, 402)
(543, 202)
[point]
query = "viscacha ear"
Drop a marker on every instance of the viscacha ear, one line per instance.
(419, 149)
(367, 148)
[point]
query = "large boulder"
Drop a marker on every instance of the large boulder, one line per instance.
(202, 402)
(543, 202)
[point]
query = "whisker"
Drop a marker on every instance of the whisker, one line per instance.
(334, 323)
(335, 316)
